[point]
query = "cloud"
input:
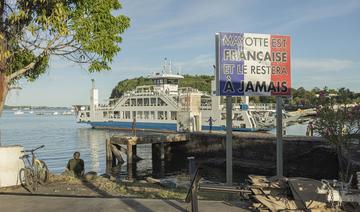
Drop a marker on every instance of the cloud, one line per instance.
(319, 12)
(183, 18)
(322, 65)
(197, 65)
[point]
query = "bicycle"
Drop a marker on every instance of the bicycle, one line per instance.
(34, 172)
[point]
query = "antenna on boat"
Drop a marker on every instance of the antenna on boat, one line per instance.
(164, 69)
(170, 67)
(93, 83)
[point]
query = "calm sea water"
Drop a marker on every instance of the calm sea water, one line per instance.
(61, 136)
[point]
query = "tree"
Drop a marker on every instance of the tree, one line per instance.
(339, 125)
(82, 31)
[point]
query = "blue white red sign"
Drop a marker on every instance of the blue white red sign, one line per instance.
(251, 64)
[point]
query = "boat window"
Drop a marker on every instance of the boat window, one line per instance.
(134, 114)
(87, 114)
(127, 115)
(172, 81)
(127, 102)
(223, 116)
(146, 114)
(161, 115)
(117, 114)
(153, 102)
(173, 115)
(104, 114)
(139, 115)
(165, 115)
(152, 115)
(133, 102)
(238, 117)
(161, 102)
(139, 102)
(146, 102)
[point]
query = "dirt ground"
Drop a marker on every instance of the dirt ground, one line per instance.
(101, 187)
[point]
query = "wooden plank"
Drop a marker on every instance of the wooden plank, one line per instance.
(149, 139)
(117, 153)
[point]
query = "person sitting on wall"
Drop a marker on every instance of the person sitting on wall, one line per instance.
(310, 129)
(76, 165)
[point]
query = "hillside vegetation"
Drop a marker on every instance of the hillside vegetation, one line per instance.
(200, 82)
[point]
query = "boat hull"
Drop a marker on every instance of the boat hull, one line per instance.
(152, 126)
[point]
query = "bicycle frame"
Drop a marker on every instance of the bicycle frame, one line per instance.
(27, 163)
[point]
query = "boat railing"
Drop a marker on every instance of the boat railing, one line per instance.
(205, 107)
(267, 106)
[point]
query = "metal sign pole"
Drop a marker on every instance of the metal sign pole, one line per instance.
(229, 143)
(279, 137)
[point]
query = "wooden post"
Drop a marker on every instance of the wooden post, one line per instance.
(162, 151)
(158, 159)
(108, 150)
(130, 160)
(134, 150)
(129, 152)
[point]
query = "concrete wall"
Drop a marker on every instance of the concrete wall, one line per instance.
(10, 165)
(255, 153)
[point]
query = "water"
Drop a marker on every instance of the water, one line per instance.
(61, 136)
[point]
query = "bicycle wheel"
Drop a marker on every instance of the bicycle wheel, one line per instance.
(27, 179)
(43, 171)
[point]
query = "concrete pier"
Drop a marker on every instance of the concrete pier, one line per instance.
(253, 153)
(157, 141)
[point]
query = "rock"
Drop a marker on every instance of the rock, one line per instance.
(143, 181)
(127, 181)
(152, 180)
(112, 178)
(106, 176)
(169, 183)
(90, 175)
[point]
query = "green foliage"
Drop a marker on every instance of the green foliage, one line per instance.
(127, 85)
(200, 82)
(338, 124)
(83, 31)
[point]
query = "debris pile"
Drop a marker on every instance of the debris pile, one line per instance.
(277, 194)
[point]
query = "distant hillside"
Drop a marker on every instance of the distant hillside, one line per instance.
(200, 82)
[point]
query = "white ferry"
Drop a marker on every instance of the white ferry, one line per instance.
(164, 106)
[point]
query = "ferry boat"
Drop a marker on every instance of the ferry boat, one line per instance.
(164, 106)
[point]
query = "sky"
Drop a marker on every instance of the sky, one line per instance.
(325, 49)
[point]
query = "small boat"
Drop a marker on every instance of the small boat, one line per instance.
(31, 112)
(55, 113)
(68, 113)
(18, 112)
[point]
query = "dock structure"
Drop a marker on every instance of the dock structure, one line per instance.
(114, 149)
(253, 153)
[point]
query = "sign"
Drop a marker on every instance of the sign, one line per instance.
(250, 64)
(244, 107)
